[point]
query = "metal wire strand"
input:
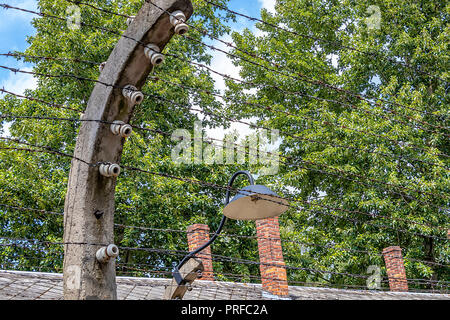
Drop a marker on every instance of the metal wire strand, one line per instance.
(390, 185)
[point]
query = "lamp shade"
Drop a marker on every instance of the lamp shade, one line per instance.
(255, 202)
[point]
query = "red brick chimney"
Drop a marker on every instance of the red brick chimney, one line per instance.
(395, 268)
(198, 234)
(273, 276)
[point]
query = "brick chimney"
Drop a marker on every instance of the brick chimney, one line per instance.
(395, 268)
(273, 276)
(198, 234)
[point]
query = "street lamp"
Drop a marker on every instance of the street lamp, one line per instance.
(253, 202)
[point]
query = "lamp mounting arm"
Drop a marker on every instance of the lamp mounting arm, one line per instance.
(176, 272)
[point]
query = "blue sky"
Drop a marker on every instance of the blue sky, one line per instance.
(15, 26)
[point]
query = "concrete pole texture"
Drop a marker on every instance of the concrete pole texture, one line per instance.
(89, 204)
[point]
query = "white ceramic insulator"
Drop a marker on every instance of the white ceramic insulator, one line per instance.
(109, 170)
(181, 28)
(104, 254)
(131, 93)
(177, 19)
(153, 53)
(102, 66)
(122, 129)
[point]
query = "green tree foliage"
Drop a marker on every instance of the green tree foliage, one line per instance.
(39, 180)
(366, 128)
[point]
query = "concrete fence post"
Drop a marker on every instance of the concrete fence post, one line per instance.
(89, 204)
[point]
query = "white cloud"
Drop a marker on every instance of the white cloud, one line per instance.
(334, 58)
(10, 17)
(19, 82)
(269, 5)
(242, 129)
(223, 64)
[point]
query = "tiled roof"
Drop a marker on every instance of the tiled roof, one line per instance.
(48, 286)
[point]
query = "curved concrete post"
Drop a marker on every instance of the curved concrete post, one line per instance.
(89, 205)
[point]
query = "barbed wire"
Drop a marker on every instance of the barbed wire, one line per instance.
(239, 290)
(220, 276)
(224, 145)
(63, 19)
(316, 38)
(298, 93)
(300, 138)
(237, 190)
(31, 209)
(323, 123)
(50, 242)
(40, 57)
(165, 271)
(188, 180)
(327, 85)
(182, 253)
(243, 122)
(158, 132)
(221, 258)
(260, 106)
(39, 100)
(6, 6)
(302, 76)
(333, 246)
(167, 54)
(63, 154)
(216, 257)
(292, 200)
(402, 157)
(76, 2)
(433, 263)
(295, 200)
(252, 290)
(296, 208)
(318, 141)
